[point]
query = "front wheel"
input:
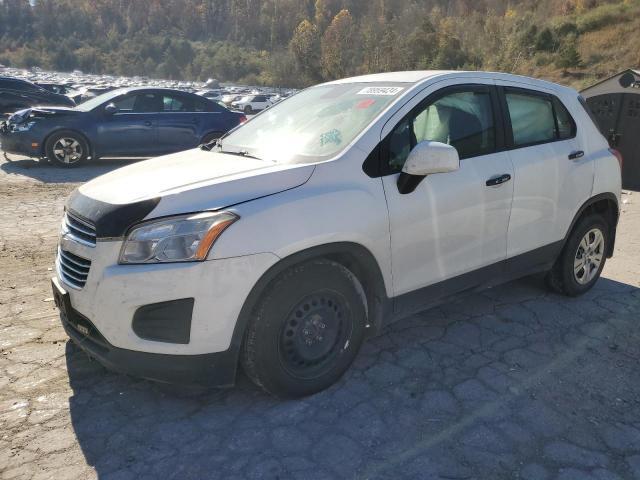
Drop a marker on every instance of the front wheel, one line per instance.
(67, 149)
(306, 330)
(582, 260)
(248, 110)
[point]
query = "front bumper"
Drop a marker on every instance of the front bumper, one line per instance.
(214, 369)
(20, 143)
(113, 294)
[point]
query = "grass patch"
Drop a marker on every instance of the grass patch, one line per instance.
(607, 14)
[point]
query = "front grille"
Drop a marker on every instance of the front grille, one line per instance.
(80, 230)
(73, 270)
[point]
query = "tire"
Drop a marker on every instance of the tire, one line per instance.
(305, 330)
(67, 149)
(248, 110)
(582, 259)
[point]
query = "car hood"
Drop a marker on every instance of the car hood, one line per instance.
(195, 180)
(41, 112)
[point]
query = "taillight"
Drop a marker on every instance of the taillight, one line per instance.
(618, 156)
(243, 119)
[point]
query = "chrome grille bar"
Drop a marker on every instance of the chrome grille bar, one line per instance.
(80, 230)
(72, 269)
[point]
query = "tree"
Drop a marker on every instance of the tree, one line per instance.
(569, 57)
(545, 41)
(337, 46)
(322, 14)
(305, 47)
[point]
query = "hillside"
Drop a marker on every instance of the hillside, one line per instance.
(298, 42)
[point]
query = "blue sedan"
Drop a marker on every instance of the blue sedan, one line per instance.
(132, 122)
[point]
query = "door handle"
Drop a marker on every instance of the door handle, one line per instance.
(147, 123)
(499, 180)
(575, 155)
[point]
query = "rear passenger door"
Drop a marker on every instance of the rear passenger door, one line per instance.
(553, 175)
(180, 125)
(453, 223)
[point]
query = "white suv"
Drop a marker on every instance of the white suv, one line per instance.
(252, 103)
(343, 208)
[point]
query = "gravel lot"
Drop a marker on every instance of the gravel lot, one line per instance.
(511, 383)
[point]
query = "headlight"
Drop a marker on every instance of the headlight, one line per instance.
(186, 238)
(22, 127)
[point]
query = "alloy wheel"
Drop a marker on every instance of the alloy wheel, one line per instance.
(67, 150)
(588, 257)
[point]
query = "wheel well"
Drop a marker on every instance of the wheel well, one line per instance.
(356, 258)
(605, 205)
(215, 132)
(43, 150)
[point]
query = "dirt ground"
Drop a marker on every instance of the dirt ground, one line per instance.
(514, 382)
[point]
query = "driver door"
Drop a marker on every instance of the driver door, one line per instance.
(132, 130)
(450, 233)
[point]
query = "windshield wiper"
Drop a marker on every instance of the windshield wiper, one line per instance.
(241, 153)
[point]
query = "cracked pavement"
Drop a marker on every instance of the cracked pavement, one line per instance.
(510, 383)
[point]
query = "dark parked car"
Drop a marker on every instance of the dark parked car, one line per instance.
(16, 94)
(134, 122)
(54, 87)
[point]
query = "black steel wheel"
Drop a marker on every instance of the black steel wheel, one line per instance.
(315, 330)
(305, 330)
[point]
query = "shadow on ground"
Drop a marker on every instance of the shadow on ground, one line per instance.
(510, 383)
(47, 173)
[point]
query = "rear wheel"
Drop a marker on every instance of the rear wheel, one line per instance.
(306, 330)
(67, 149)
(582, 260)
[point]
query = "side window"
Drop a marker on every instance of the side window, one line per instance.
(532, 119)
(125, 104)
(175, 104)
(463, 119)
(205, 105)
(260, 98)
(566, 125)
(148, 103)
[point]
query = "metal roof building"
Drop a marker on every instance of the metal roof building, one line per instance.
(615, 102)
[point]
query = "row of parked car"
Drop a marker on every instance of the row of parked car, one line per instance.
(57, 122)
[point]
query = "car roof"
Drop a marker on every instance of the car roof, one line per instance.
(16, 79)
(413, 76)
(126, 90)
(416, 77)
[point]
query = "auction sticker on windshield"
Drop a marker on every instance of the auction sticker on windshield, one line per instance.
(380, 91)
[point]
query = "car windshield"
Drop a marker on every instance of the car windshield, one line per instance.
(99, 100)
(313, 125)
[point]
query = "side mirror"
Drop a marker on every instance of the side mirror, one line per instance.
(110, 109)
(425, 159)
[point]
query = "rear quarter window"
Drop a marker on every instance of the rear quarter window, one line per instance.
(566, 125)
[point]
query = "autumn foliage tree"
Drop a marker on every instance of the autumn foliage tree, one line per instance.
(299, 42)
(338, 47)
